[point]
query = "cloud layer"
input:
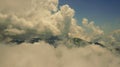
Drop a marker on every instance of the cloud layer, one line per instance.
(43, 55)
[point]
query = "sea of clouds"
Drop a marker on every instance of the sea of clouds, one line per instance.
(25, 19)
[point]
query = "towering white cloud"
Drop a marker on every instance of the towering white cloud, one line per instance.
(91, 29)
(34, 20)
(43, 16)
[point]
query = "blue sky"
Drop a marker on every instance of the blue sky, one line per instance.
(105, 13)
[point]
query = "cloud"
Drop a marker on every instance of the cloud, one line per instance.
(115, 35)
(115, 39)
(42, 54)
(39, 20)
(34, 20)
(91, 29)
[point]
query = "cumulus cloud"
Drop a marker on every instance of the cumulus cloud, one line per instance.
(33, 20)
(91, 29)
(115, 39)
(39, 20)
(115, 35)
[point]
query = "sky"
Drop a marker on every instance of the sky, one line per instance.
(105, 13)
